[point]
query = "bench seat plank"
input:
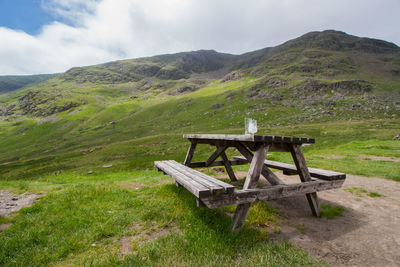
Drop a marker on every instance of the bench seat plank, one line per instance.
(199, 176)
(290, 168)
(215, 188)
(197, 183)
(192, 186)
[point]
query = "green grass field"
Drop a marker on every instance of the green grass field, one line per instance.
(83, 217)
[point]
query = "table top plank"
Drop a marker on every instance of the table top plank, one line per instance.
(250, 138)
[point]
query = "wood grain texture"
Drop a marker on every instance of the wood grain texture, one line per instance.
(291, 169)
(228, 188)
(202, 164)
(252, 178)
(269, 193)
(305, 176)
(250, 138)
(192, 186)
(195, 182)
(228, 167)
(190, 153)
(215, 155)
(268, 174)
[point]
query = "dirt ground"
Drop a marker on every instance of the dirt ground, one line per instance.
(367, 234)
(10, 202)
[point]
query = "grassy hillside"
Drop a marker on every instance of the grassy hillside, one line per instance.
(317, 78)
(14, 82)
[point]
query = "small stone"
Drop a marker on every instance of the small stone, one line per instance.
(90, 172)
(107, 166)
(93, 245)
(14, 198)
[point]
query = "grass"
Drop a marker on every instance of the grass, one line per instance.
(357, 191)
(81, 221)
(375, 194)
(361, 192)
(330, 212)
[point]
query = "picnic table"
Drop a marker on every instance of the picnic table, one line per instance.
(214, 193)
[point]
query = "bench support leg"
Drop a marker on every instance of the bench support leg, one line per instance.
(190, 153)
(305, 176)
(215, 155)
(228, 167)
(252, 178)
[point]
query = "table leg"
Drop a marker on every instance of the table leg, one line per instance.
(216, 154)
(252, 178)
(190, 153)
(267, 173)
(305, 176)
(228, 167)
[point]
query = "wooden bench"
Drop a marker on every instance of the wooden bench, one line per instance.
(214, 193)
(199, 184)
(290, 169)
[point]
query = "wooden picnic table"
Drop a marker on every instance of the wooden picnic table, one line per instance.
(213, 193)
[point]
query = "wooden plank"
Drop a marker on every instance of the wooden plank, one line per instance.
(270, 193)
(292, 170)
(190, 153)
(250, 138)
(268, 174)
(228, 167)
(239, 218)
(255, 167)
(215, 155)
(305, 176)
(202, 164)
(228, 188)
(192, 186)
(252, 178)
(215, 189)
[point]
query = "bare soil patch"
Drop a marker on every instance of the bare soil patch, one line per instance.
(366, 234)
(379, 158)
(10, 202)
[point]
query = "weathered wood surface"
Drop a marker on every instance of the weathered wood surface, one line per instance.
(197, 183)
(202, 164)
(190, 153)
(269, 193)
(267, 173)
(305, 176)
(228, 188)
(215, 155)
(192, 186)
(252, 178)
(291, 169)
(228, 167)
(251, 138)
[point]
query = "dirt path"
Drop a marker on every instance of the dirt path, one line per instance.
(367, 234)
(10, 202)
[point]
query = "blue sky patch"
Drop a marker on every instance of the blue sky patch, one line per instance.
(25, 15)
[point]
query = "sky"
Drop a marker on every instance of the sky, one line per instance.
(50, 36)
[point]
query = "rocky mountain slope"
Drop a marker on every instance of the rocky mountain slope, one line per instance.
(318, 77)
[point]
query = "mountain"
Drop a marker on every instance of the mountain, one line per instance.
(319, 77)
(15, 82)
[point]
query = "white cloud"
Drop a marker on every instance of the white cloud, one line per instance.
(97, 31)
